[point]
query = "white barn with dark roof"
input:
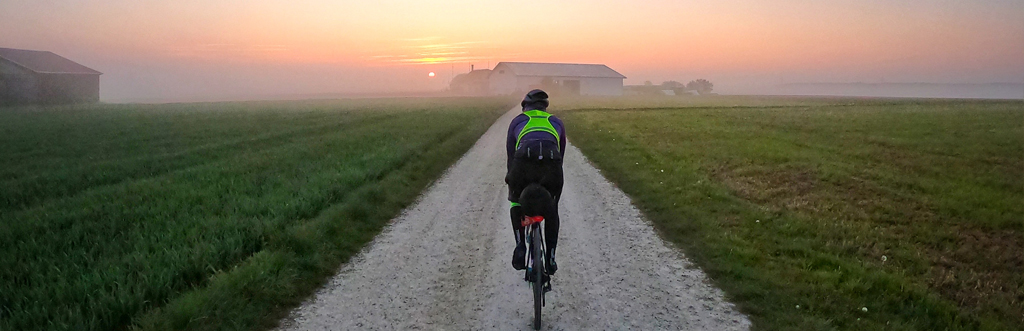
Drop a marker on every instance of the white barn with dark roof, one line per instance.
(569, 78)
(40, 77)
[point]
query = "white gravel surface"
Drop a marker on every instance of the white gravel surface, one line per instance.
(444, 264)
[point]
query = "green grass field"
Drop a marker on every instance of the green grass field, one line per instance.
(829, 213)
(214, 216)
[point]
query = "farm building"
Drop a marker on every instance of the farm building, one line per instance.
(564, 78)
(471, 83)
(40, 77)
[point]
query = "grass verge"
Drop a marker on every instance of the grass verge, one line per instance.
(205, 216)
(831, 214)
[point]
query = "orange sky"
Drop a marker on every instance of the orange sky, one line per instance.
(194, 48)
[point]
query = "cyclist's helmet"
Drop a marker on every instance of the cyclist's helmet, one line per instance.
(536, 99)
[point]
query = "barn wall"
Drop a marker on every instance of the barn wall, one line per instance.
(502, 80)
(601, 86)
(470, 84)
(69, 88)
(526, 83)
(17, 85)
(588, 86)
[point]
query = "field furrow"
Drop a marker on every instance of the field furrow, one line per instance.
(108, 255)
(33, 183)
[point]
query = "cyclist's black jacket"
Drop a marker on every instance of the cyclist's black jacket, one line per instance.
(534, 140)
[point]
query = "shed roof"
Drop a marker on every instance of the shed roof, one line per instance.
(472, 76)
(44, 62)
(562, 69)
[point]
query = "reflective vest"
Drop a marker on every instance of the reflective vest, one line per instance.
(538, 122)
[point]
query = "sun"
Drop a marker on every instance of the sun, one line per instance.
(431, 74)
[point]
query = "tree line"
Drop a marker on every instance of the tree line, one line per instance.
(701, 86)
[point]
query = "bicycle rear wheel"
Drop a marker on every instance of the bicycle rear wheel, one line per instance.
(537, 252)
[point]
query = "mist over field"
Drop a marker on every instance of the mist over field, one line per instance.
(730, 165)
(231, 50)
(889, 90)
(242, 81)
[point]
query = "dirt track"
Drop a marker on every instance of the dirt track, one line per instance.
(445, 263)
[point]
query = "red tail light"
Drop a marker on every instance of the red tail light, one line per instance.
(529, 220)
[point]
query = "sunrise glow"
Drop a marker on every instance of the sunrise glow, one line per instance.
(197, 47)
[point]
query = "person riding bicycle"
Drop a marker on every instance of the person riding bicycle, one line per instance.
(535, 146)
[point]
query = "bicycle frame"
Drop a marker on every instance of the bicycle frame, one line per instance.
(532, 228)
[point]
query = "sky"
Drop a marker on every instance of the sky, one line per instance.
(210, 49)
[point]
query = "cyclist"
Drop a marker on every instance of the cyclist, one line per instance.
(535, 146)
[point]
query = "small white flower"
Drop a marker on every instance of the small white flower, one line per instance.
(757, 221)
(797, 306)
(864, 309)
(884, 258)
(662, 170)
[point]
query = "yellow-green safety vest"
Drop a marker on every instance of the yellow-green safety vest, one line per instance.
(538, 122)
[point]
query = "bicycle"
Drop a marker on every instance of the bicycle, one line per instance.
(536, 274)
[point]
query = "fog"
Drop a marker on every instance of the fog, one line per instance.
(226, 81)
(249, 81)
(195, 50)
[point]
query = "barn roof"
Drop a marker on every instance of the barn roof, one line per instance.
(472, 77)
(475, 75)
(562, 69)
(44, 62)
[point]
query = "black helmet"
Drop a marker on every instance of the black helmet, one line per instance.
(536, 99)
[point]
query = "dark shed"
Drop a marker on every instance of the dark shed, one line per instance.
(40, 77)
(471, 83)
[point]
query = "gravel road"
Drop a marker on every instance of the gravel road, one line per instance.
(444, 263)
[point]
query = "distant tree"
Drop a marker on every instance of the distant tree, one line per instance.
(676, 87)
(671, 85)
(702, 86)
(650, 89)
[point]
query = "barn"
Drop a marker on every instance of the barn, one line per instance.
(40, 77)
(557, 78)
(470, 83)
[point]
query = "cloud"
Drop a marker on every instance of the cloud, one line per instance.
(428, 50)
